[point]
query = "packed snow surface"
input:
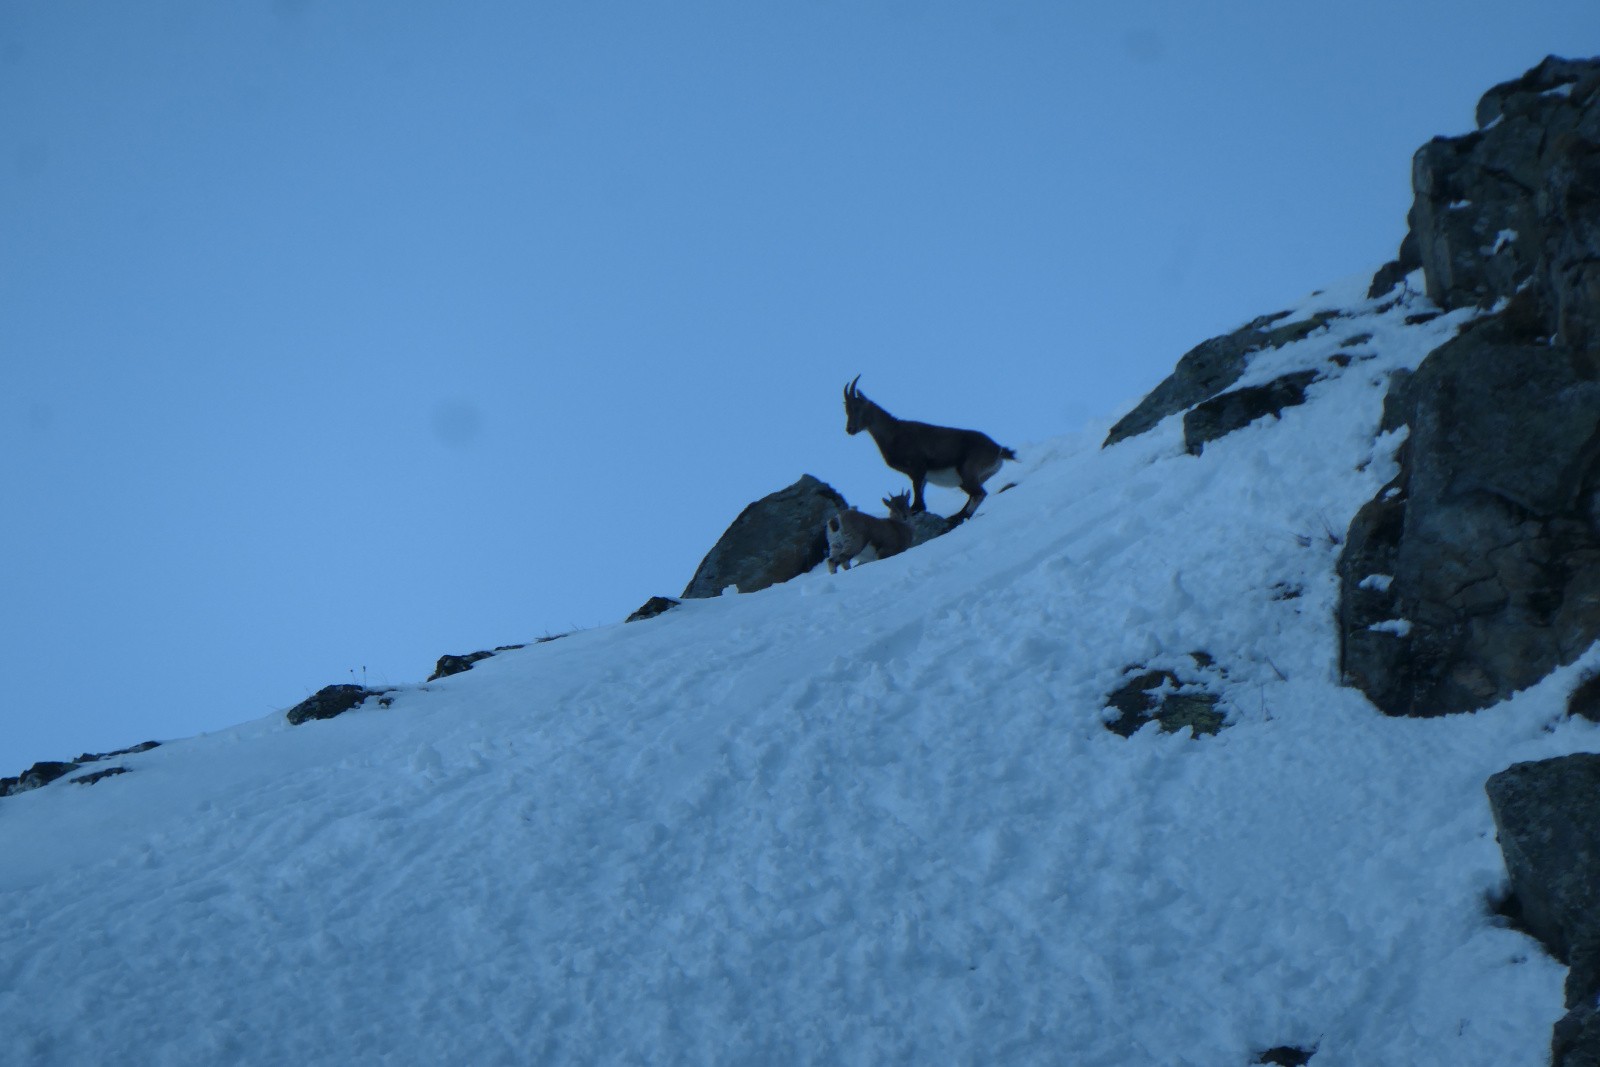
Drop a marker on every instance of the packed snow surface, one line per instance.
(869, 818)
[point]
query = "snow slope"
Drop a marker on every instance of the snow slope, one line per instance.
(873, 818)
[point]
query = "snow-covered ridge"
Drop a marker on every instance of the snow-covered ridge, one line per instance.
(873, 817)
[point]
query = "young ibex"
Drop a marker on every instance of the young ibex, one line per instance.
(852, 532)
(924, 453)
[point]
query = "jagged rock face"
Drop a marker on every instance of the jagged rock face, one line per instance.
(773, 540)
(1515, 200)
(1477, 570)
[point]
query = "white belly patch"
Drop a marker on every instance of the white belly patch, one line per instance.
(950, 478)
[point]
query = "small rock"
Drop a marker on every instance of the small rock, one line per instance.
(1158, 696)
(91, 779)
(330, 701)
(656, 605)
(42, 773)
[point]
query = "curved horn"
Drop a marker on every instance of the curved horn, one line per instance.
(851, 390)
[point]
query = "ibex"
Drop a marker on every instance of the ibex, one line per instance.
(924, 453)
(852, 532)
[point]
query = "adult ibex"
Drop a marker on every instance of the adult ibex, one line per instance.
(852, 532)
(924, 453)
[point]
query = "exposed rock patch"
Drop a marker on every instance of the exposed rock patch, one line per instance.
(1162, 697)
(91, 779)
(94, 757)
(450, 664)
(1287, 1056)
(773, 540)
(1209, 369)
(47, 771)
(656, 605)
(333, 700)
(1238, 408)
(40, 774)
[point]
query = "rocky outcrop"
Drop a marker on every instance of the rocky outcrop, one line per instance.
(1238, 408)
(773, 540)
(334, 700)
(1287, 1056)
(1547, 814)
(98, 776)
(449, 663)
(656, 605)
(47, 771)
(1209, 369)
(1513, 203)
(40, 774)
(1477, 570)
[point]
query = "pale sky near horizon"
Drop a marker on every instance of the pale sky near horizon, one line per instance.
(341, 336)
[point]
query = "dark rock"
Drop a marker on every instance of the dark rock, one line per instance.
(1488, 534)
(45, 772)
(1388, 276)
(1576, 1040)
(1160, 696)
(1491, 532)
(656, 605)
(88, 757)
(40, 774)
(331, 700)
(1514, 200)
(1210, 368)
(1547, 815)
(1397, 404)
(1374, 660)
(450, 664)
(91, 779)
(773, 540)
(1238, 408)
(925, 526)
(1287, 1056)
(1584, 700)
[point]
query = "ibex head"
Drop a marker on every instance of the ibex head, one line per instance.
(899, 506)
(855, 409)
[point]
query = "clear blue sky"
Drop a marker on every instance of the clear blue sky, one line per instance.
(340, 336)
